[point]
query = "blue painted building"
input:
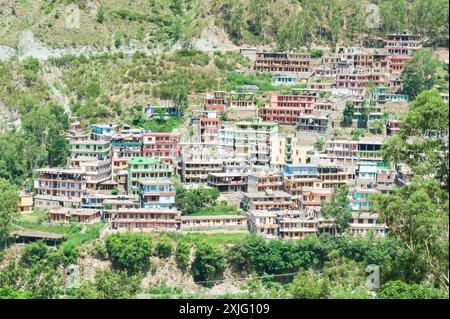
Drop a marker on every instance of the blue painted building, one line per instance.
(103, 131)
(305, 170)
(157, 193)
(284, 79)
(382, 94)
(169, 109)
(366, 174)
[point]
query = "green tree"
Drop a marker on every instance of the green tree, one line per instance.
(357, 134)
(208, 263)
(111, 285)
(9, 201)
(235, 23)
(338, 211)
(11, 293)
(343, 272)
(319, 144)
(348, 114)
(164, 246)
(191, 201)
(430, 19)
(258, 10)
(44, 142)
(115, 190)
(100, 14)
(417, 215)
(377, 126)
(309, 285)
(13, 165)
(182, 254)
(423, 139)
(42, 279)
(419, 73)
(401, 290)
(129, 251)
(394, 150)
(33, 253)
(394, 16)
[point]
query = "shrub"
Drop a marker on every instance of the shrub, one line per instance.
(111, 285)
(101, 251)
(309, 285)
(129, 251)
(164, 247)
(208, 263)
(34, 252)
(182, 254)
(400, 290)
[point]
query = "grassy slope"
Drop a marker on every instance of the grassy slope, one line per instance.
(139, 19)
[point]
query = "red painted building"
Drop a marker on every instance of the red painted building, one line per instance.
(287, 109)
(165, 145)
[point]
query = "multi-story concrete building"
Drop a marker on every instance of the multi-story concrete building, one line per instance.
(226, 138)
(392, 127)
(156, 193)
(360, 198)
(294, 224)
(356, 82)
(313, 197)
(298, 177)
(365, 222)
(267, 200)
(97, 171)
(162, 107)
(349, 152)
(228, 182)
(208, 124)
(96, 200)
(361, 58)
(216, 102)
(102, 131)
(404, 175)
(263, 223)
(400, 47)
(385, 177)
(144, 219)
(341, 151)
(241, 105)
(254, 139)
(260, 181)
(124, 146)
(383, 94)
(59, 187)
(199, 160)
(285, 79)
(25, 202)
(287, 109)
(164, 145)
(312, 124)
(141, 169)
(78, 215)
(241, 100)
(282, 62)
(335, 176)
(100, 149)
(208, 221)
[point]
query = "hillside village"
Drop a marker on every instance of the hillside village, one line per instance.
(213, 158)
(278, 162)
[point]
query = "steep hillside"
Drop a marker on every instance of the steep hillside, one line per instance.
(161, 23)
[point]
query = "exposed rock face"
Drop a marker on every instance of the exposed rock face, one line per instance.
(6, 53)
